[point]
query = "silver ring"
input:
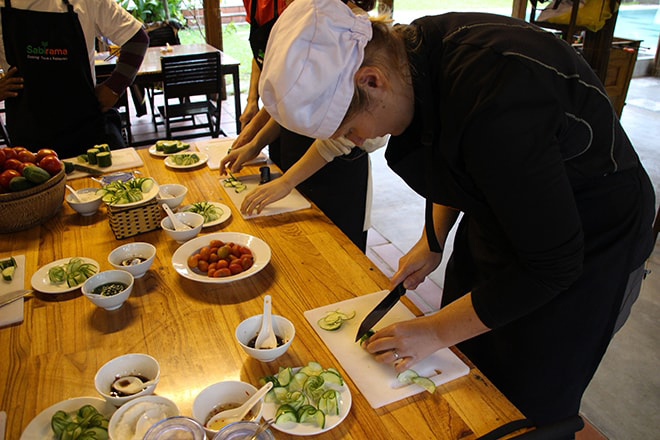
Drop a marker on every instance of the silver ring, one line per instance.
(396, 355)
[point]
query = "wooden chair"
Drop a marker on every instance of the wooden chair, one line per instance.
(186, 77)
(161, 35)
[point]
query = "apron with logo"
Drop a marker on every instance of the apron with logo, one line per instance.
(57, 107)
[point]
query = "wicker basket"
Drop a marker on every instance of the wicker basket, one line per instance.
(25, 209)
(127, 222)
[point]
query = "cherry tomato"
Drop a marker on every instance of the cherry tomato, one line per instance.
(222, 264)
(10, 153)
(24, 165)
(204, 253)
(216, 244)
(3, 156)
(222, 273)
(236, 250)
(235, 268)
(51, 164)
(212, 268)
(45, 152)
(245, 251)
(223, 252)
(213, 258)
(26, 156)
(193, 261)
(6, 177)
(19, 149)
(203, 266)
(246, 261)
(12, 164)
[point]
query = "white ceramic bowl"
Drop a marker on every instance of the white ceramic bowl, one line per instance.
(133, 364)
(223, 393)
(248, 329)
(138, 415)
(88, 207)
(174, 194)
(108, 302)
(196, 221)
(133, 250)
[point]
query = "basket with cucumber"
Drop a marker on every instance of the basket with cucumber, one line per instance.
(123, 193)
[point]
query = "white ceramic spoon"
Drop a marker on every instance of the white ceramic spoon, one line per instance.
(178, 225)
(74, 193)
(131, 384)
(266, 337)
(236, 414)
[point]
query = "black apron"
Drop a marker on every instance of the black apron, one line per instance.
(57, 107)
(339, 189)
(258, 39)
(259, 33)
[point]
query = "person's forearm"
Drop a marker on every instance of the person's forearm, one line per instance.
(267, 134)
(306, 166)
(457, 322)
(253, 91)
(444, 218)
(130, 59)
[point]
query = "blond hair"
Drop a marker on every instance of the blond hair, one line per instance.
(384, 51)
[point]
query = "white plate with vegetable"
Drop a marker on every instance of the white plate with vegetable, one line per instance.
(186, 160)
(130, 193)
(328, 410)
(67, 275)
(259, 249)
(166, 148)
(214, 213)
(40, 427)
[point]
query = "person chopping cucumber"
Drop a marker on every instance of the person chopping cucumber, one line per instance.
(494, 118)
(50, 45)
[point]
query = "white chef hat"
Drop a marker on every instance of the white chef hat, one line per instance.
(313, 52)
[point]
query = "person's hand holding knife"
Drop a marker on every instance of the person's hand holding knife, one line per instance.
(10, 84)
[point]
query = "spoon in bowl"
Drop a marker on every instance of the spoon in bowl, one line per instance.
(266, 337)
(236, 414)
(178, 225)
(130, 384)
(74, 193)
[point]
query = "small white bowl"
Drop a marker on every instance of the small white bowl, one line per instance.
(220, 393)
(109, 276)
(248, 329)
(88, 207)
(138, 415)
(174, 194)
(196, 221)
(133, 364)
(133, 250)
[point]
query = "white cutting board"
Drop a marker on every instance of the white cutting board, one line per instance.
(13, 312)
(292, 202)
(121, 159)
(376, 381)
(217, 149)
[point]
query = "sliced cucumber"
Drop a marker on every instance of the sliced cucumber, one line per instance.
(281, 394)
(312, 369)
(425, 383)
(329, 326)
(7, 263)
(312, 416)
(286, 418)
(284, 376)
(407, 376)
(146, 186)
(334, 320)
(8, 273)
(366, 336)
(298, 381)
(332, 377)
(284, 409)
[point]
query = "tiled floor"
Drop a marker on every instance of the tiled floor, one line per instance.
(623, 401)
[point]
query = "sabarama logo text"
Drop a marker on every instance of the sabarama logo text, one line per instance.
(45, 50)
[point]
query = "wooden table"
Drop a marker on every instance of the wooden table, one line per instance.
(189, 327)
(150, 70)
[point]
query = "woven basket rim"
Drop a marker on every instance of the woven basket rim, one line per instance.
(10, 197)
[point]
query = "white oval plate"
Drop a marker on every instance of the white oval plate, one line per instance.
(203, 157)
(39, 428)
(345, 402)
(153, 192)
(260, 251)
(154, 152)
(226, 214)
(41, 282)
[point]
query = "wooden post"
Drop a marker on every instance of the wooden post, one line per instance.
(213, 31)
(519, 9)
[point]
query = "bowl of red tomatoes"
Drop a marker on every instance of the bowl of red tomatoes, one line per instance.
(31, 187)
(222, 257)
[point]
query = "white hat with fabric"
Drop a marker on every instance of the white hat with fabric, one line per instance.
(313, 53)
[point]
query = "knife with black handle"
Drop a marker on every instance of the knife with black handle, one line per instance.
(380, 310)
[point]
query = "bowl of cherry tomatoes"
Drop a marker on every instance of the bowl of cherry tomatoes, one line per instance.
(31, 187)
(222, 257)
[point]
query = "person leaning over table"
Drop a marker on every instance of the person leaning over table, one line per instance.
(51, 44)
(495, 118)
(345, 202)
